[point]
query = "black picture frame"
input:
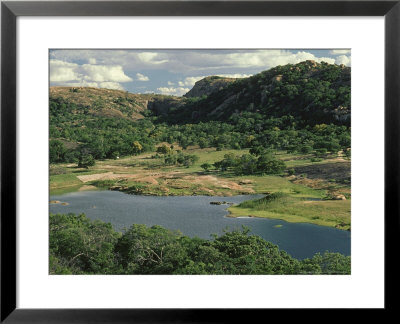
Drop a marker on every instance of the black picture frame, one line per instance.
(10, 10)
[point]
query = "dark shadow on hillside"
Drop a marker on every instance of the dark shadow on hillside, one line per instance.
(340, 171)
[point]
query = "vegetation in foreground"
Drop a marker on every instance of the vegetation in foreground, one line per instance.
(81, 246)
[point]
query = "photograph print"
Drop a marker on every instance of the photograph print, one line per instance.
(200, 161)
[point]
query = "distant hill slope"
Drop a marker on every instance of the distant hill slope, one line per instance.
(103, 102)
(208, 85)
(309, 91)
(114, 103)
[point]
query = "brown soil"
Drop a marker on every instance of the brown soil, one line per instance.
(87, 187)
(172, 179)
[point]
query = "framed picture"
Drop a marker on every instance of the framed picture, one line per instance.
(78, 49)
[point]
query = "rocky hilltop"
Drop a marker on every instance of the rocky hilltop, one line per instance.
(208, 85)
(114, 103)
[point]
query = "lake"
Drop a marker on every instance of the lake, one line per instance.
(195, 216)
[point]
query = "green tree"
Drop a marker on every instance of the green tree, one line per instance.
(305, 149)
(81, 245)
(268, 164)
(136, 147)
(86, 160)
(206, 166)
(56, 151)
(164, 149)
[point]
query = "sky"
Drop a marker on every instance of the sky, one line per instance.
(171, 72)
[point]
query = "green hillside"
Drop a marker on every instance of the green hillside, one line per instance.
(298, 108)
(311, 92)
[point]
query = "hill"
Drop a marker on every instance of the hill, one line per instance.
(102, 102)
(112, 103)
(309, 91)
(209, 85)
(297, 108)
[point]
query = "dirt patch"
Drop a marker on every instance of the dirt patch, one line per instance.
(94, 177)
(175, 180)
(87, 187)
(208, 180)
(150, 180)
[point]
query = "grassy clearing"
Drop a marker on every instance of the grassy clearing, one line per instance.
(64, 180)
(297, 210)
(68, 180)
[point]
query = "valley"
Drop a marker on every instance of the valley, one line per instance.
(270, 151)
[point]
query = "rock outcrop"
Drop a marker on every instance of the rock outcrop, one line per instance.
(209, 85)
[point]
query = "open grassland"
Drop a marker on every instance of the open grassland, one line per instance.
(335, 213)
(306, 194)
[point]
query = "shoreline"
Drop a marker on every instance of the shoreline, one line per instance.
(298, 220)
(230, 213)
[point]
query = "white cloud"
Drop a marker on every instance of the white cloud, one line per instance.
(343, 59)
(63, 71)
(340, 51)
(260, 59)
(179, 91)
(111, 85)
(193, 62)
(235, 76)
(150, 57)
(190, 81)
(89, 75)
(103, 73)
(147, 56)
(187, 66)
(141, 77)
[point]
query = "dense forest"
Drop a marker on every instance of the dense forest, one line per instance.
(82, 246)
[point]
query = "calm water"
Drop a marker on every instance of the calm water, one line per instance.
(195, 216)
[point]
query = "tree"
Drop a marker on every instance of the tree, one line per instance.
(136, 147)
(257, 150)
(206, 166)
(86, 160)
(249, 140)
(79, 245)
(328, 263)
(56, 151)
(164, 149)
(246, 164)
(321, 152)
(305, 149)
(203, 142)
(268, 164)
(115, 155)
